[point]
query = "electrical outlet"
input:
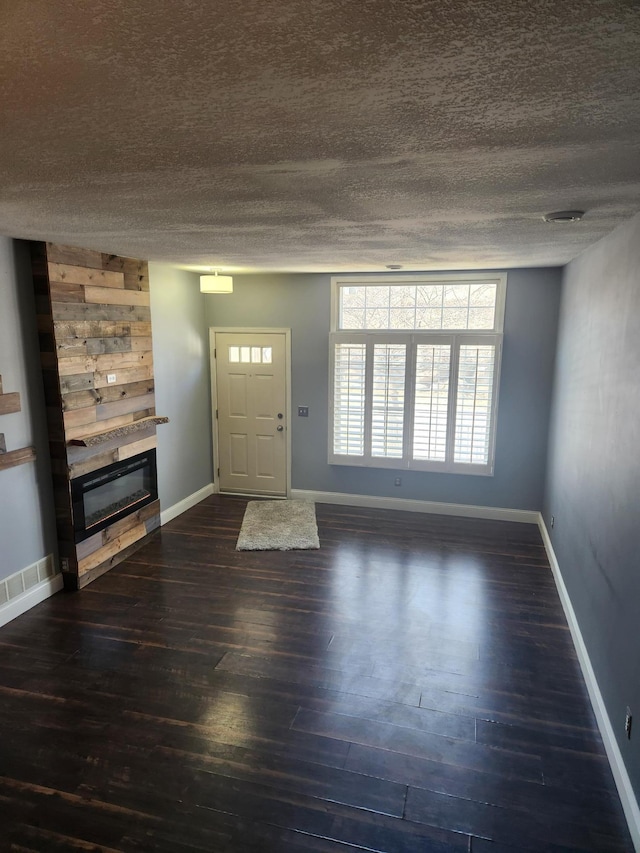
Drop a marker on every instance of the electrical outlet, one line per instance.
(398, 481)
(111, 378)
(627, 723)
(553, 521)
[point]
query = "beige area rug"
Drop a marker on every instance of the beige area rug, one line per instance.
(278, 526)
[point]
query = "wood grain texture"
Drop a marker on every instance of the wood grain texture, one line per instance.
(111, 548)
(54, 253)
(85, 312)
(82, 275)
(409, 687)
(136, 447)
(115, 361)
(94, 323)
(85, 329)
(9, 403)
(78, 450)
(121, 431)
(113, 296)
(125, 375)
(12, 458)
(76, 382)
(84, 429)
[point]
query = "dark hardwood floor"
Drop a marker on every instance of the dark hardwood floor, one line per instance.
(411, 686)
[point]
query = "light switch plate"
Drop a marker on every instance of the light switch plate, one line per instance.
(303, 411)
(111, 378)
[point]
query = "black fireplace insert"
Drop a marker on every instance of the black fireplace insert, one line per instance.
(105, 496)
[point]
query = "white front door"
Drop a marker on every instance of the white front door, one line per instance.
(251, 402)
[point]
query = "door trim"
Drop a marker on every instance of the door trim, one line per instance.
(246, 330)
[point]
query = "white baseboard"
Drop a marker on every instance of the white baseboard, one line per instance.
(174, 511)
(434, 507)
(21, 603)
(620, 775)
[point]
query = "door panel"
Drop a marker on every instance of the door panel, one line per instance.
(237, 396)
(265, 456)
(250, 371)
(238, 455)
(263, 399)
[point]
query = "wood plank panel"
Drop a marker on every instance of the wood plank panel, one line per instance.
(131, 389)
(114, 361)
(86, 429)
(80, 399)
(9, 403)
(73, 364)
(111, 548)
(98, 346)
(137, 447)
(70, 347)
(11, 458)
(111, 296)
(136, 275)
(79, 417)
(125, 375)
(80, 467)
(79, 582)
(140, 344)
(66, 312)
(81, 275)
(86, 329)
(135, 281)
(76, 382)
(66, 292)
(125, 406)
(72, 255)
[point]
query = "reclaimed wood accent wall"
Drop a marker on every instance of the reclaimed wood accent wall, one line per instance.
(94, 325)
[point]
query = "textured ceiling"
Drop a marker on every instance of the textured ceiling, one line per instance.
(320, 134)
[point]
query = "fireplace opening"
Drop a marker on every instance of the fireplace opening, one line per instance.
(105, 496)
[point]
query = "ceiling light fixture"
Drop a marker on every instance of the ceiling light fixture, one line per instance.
(564, 216)
(216, 283)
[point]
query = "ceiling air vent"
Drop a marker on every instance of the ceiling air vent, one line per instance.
(564, 216)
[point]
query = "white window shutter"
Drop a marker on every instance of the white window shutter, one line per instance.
(474, 403)
(349, 399)
(430, 415)
(387, 405)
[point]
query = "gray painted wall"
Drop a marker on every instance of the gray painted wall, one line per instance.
(27, 517)
(593, 481)
(302, 303)
(181, 368)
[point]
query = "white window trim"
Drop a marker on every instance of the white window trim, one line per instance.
(412, 338)
(500, 279)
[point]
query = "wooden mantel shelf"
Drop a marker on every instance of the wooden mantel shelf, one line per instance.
(9, 403)
(118, 432)
(15, 457)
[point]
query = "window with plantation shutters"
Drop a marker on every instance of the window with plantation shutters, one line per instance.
(414, 371)
(473, 403)
(387, 400)
(431, 405)
(348, 401)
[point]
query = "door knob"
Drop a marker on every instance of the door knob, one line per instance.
(279, 427)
